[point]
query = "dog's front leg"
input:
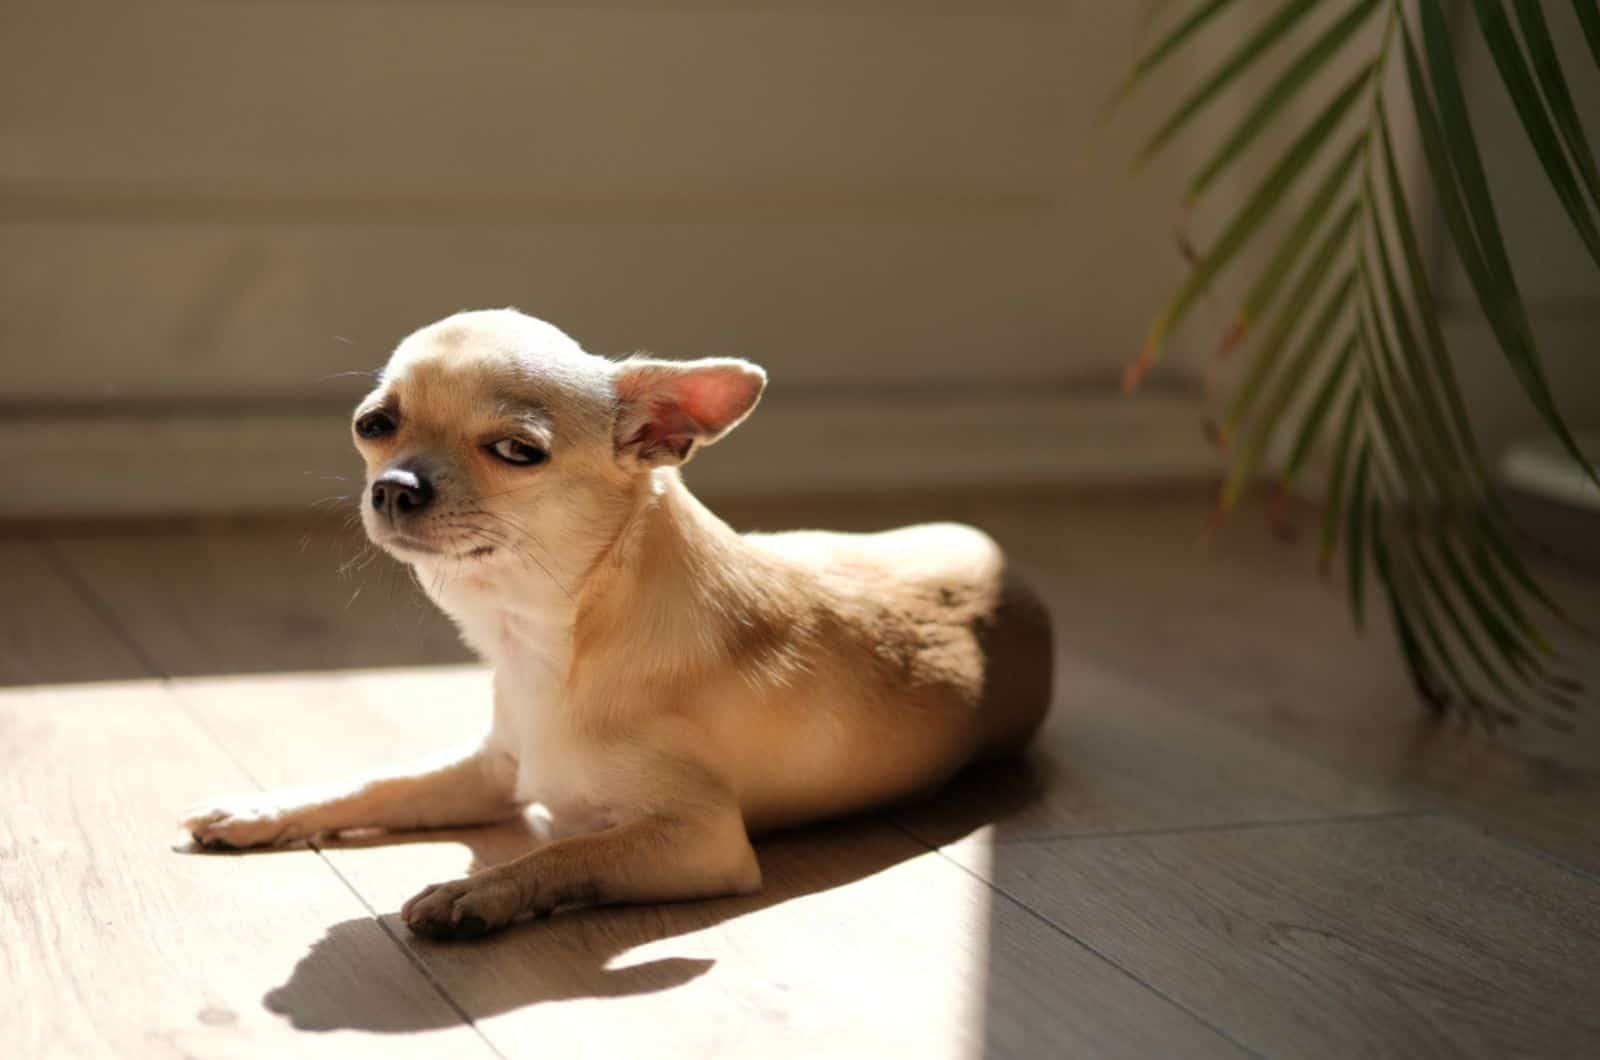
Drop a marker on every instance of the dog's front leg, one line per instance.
(656, 858)
(471, 788)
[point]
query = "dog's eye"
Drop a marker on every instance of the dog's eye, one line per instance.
(374, 425)
(513, 451)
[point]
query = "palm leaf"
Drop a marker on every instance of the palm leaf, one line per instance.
(1542, 51)
(1388, 404)
(1535, 119)
(1441, 370)
(1333, 508)
(1311, 427)
(1512, 649)
(1168, 44)
(1288, 85)
(1259, 205)
(1316, 274)
(1589, 19)
(1275, 27)
(1355, 555)
(1410, 377)
(1512, 564)
(1408, 488)
(1272, 277)
(1496, 287)
(1442, 373)
(1244, 468)
(1433, 668)
(1490, 572)
(1439, 592)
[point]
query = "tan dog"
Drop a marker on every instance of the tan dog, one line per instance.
(663, 686)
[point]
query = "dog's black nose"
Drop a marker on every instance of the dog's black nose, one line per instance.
(399, 492)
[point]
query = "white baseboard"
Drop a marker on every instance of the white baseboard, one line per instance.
(143, 462)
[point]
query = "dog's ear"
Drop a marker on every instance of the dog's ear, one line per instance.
(668, 409)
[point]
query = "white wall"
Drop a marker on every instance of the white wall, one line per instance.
(211, 211)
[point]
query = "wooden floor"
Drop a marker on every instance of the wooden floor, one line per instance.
(1236, 837)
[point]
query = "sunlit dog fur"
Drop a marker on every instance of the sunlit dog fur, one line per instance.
(663, 687)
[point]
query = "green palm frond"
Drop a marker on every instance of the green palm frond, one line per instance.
(1353, 356)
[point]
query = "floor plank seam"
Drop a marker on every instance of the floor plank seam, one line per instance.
(107, 617)
(1523, 846)
(98, 607)
(1074, 939)
(1232, 826)
(409, 954)
(193, 715)
(1266, 737)
(405, 951)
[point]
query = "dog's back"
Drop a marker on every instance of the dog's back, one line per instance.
(934, 653)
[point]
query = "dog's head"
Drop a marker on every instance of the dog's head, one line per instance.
(493, 439)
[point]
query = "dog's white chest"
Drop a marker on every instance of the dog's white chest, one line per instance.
(530, 656)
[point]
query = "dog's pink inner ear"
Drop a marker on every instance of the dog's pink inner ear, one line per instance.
(670, 407)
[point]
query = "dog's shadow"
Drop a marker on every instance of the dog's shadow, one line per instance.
(338, 985)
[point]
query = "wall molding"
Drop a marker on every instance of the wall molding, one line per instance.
(200, 203)
(77, 462)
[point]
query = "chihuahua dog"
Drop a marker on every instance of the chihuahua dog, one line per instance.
(663, 687)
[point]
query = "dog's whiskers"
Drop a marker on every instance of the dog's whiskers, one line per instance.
(533, 539)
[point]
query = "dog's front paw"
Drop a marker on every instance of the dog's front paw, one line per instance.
(237, 821)
(464, 909)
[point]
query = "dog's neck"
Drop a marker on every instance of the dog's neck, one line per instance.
(668, 562)
(672, 562)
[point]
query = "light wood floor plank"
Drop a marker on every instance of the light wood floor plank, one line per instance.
(1234, 622)
(1409, 938)
(1298, 946)
(1237, 624)
(862, 943)
(1114, 757)
(118, 945)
